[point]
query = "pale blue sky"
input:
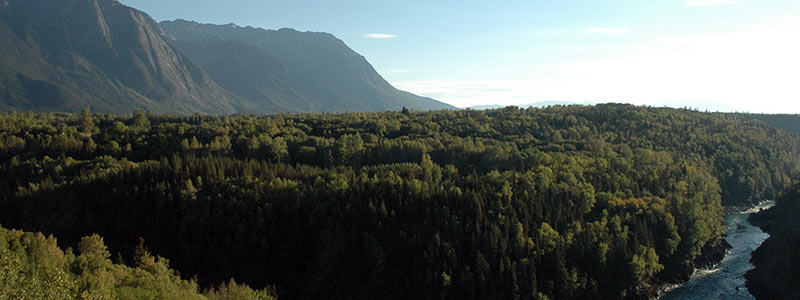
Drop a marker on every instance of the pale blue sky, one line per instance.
(719, 54)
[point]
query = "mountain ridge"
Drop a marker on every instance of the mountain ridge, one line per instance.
(322, 69)
(68, 55)
(102, 55)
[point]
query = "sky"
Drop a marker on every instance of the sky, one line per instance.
(718, 55)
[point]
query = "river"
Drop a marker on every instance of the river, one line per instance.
(726, 281)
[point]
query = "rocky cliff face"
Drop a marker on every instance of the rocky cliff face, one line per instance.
(99, 54)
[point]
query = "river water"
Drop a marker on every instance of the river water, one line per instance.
(726, 281)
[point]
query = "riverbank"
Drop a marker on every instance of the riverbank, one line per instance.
(725, 279)
(750, 210)
(712, 256)
(777, 265)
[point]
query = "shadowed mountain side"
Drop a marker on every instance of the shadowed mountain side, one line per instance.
(71, 54)
(253, 74)
(317, 68)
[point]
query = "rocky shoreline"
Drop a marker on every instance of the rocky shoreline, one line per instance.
(776, 261)
(712, 256)
(715, 252)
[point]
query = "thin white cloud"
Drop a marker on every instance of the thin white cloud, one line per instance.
(380, 36)
(698, 3)
(602, 30)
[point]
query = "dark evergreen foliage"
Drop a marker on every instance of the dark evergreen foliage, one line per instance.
(570, 202)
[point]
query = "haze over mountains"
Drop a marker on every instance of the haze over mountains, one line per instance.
(67, 55)
(310, 71)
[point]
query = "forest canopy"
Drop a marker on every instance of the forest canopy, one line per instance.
(565, 202)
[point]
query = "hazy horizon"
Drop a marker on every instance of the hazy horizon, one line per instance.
(720, 55)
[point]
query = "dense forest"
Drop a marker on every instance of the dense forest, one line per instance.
(777, 272)
(566, 202)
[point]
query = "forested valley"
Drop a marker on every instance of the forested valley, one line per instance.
(566, 202)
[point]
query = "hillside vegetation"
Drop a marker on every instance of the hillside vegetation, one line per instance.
(33, 267)
(577, 202)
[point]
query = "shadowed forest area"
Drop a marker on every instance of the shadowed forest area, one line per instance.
(566, 202)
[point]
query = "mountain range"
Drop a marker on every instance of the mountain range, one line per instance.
(67, 55)
(285, 68)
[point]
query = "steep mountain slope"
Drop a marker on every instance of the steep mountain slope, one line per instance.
(292, 70)
(66, 55)
(252, 74)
